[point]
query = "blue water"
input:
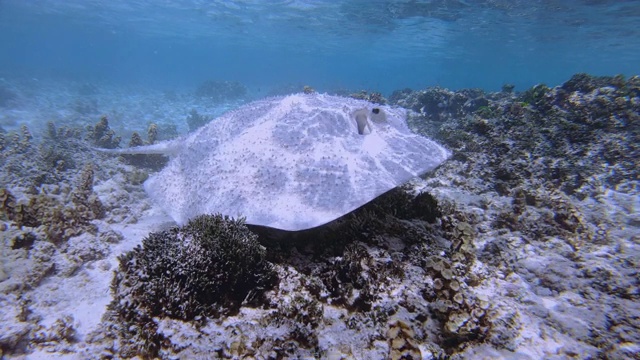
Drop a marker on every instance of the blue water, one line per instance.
(329, 44)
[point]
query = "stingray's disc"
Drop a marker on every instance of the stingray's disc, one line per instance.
(293, 162)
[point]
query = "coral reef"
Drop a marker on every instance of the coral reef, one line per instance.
(221, 91)
(357, 280)
(49, 159)
(167, 132)
(7, 205)
(52, 214)
(552, 154)
(524, 244)
(438, 104)
(508, 88)
(61, 330)
(374, 97)
(556, 127)
(463, 314)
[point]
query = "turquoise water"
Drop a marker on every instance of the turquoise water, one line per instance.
(376, 45)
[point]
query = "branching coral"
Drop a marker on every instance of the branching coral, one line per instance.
(207, 268)
(402, 342)
(15, 142)
(463, 314)
(52, 214)
(102, 135)
(85, 200)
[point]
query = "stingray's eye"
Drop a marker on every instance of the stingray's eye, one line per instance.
(378, 115)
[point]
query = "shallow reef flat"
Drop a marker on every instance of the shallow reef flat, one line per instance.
(525, 244)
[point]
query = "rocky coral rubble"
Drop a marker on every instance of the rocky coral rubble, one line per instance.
(52, 215)
(364, 276)
(53, 233)
(554, 171)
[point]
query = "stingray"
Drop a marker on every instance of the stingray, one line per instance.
(291, 163)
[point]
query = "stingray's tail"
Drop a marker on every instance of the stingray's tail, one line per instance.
(165, 148)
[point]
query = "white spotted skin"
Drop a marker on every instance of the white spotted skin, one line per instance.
(290, 163)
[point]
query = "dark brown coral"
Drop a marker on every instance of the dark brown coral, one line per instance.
(103, 136)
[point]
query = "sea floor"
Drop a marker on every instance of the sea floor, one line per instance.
(532, 251)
